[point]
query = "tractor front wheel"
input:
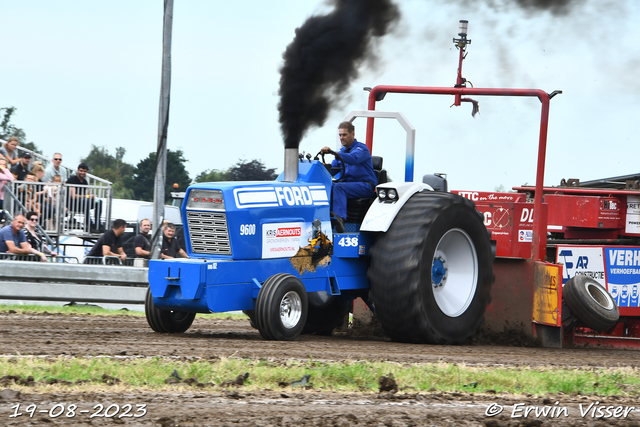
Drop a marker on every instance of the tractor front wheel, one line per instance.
(166, 321)
(281, 308)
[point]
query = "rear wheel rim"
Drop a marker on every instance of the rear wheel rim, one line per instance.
(290, 309)
(454, 272)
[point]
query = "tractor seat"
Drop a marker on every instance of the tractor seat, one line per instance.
(357, 208)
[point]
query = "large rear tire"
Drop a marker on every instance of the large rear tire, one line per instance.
(166, 321)
(281, 308)
(431, 272)
(590, 303)
(322, 320)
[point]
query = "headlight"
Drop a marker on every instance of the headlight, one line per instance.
(387, 195)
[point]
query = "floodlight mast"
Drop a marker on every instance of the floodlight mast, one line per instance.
(461, 45)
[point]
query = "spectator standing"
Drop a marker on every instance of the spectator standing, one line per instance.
(80, 201)
(170, 246)
(21, 168)
(13, 239)
(55, 168)
(34, 237)
(109, 243)
(5, 175)
(9, 150)
(142, 242)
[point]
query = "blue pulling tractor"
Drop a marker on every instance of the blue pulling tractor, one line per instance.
(420, 258)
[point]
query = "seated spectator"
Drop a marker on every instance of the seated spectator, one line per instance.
(55, 168)
(142, 242)
(170, 246)
(9, 151)
(28, 193)
(79, 200)
(50, 201)
(5, 176)
(13, 239)
(21, 168)
(38, 171)
(34, 237)
(109, 243)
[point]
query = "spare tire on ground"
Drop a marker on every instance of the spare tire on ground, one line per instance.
(590, 303)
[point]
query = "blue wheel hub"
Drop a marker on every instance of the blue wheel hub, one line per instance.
(438, 272)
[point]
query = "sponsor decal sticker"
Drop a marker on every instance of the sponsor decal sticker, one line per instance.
(623, 275)
(282, 239)
(525, 235)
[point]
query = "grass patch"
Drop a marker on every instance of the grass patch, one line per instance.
(351, 376)
(95, 310)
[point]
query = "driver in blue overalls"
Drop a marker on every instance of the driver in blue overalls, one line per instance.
(359, 179)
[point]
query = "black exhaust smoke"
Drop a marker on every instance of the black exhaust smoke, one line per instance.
(324, 57)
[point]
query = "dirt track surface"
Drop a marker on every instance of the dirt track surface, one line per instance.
(47, 334)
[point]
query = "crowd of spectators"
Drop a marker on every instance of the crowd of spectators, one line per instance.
(38, 194)
(39, 189)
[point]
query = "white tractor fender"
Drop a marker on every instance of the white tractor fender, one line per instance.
(381, 214)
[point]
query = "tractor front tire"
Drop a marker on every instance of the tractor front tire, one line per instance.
(590, 303)
(281, 308)
(166, 321)
(431, 272)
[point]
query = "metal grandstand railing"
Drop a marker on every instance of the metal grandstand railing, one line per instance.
(64, 209)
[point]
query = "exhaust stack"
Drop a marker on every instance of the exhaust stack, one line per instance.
(290, 164)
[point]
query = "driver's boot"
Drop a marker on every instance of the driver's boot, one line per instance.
(338, 223)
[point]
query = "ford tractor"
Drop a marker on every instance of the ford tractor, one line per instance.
(421, 258)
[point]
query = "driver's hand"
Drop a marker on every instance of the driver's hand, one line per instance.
(326, 150)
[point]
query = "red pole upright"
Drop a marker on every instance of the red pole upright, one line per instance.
(459, 79)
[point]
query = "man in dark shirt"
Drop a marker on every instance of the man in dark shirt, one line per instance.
(22, 167)
(170, 246)
(142, 242)
(109, 243)
(82, 201)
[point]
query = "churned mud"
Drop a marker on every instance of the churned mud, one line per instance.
(121, 336)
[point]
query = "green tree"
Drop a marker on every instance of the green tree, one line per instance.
(112, 168)
(8, 130)
(212, 175)
(251, 171)
(142, 179)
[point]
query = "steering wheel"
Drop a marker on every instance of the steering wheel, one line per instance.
(330, 168)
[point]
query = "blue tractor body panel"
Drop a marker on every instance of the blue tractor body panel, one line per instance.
(238, 234)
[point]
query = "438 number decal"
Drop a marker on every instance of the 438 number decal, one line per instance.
(348, 241)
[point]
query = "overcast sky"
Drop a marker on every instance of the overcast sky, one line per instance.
(82, 73)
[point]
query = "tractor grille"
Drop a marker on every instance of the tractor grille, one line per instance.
(209, 233)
